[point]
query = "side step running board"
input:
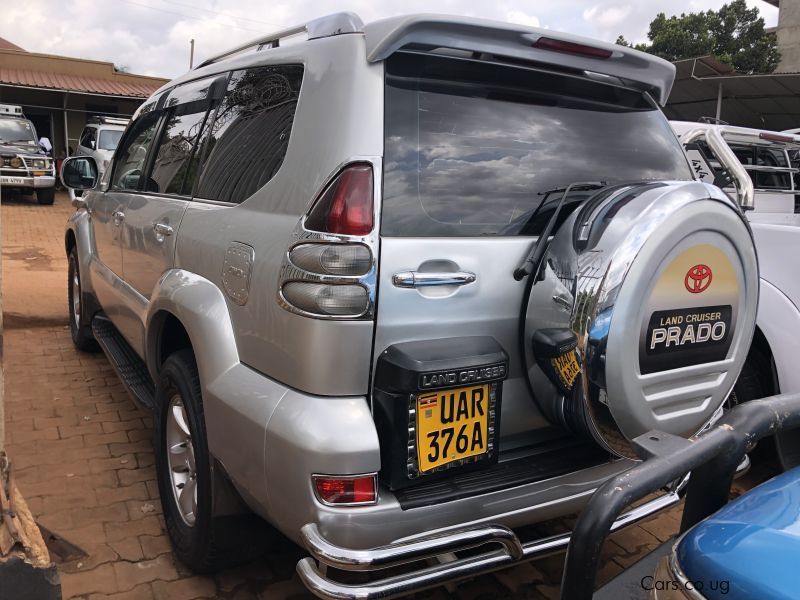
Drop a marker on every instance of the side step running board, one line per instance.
(129, 367)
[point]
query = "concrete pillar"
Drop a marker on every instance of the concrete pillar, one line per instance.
(788, 32)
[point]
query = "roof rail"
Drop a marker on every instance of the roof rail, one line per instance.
(107, 120)
(335, 24)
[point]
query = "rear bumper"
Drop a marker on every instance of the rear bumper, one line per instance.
(42, 181)
(431, 574)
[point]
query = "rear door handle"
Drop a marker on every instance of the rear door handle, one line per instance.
(415, 279)
(118, 217)
(163, 229)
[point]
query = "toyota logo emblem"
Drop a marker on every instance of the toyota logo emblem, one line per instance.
(697, 279)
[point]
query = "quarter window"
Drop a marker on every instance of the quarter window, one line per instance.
(88, 137)
(182, 133)
(131, 157)
(250, 134)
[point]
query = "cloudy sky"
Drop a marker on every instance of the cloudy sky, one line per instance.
(151, 37)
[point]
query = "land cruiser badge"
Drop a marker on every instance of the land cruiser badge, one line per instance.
(690, 316)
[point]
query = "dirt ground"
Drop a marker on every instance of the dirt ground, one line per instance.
(84, 461)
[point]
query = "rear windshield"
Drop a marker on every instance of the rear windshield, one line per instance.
(471, 148)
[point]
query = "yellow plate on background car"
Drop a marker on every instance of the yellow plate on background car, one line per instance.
(452, 425)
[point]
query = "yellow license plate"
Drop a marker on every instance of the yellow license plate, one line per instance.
(452, 425)
(567, 368)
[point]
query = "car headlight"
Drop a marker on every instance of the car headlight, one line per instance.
(40, 163)
(17, 162)
(670, 583)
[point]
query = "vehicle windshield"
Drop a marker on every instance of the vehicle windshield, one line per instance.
(470, 147)
(109, 138)
(17, 131)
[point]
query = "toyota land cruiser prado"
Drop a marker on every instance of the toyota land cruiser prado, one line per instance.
(406, 287)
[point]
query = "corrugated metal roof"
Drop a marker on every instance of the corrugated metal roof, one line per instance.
(760, 101)
(76, 83)
(6, 45)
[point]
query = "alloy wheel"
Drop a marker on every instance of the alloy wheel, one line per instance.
(180, 453)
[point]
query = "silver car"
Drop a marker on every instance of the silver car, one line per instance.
(99, 139)
(401, 289)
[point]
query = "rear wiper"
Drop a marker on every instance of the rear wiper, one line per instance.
(531, 263)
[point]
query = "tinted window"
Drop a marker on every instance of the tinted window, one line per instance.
(88, 137)
(472, 149)
(109, 139)
(131, 158)
(250, 134)
(187, 108)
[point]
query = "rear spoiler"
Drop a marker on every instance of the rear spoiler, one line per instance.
(636, 69)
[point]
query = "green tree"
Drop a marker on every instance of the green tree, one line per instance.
(734, 34)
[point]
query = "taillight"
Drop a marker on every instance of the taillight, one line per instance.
(546, 43)
(332, 259)
(346, 206)
(327, 300)
(346, 490)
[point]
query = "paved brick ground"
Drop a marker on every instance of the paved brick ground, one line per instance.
(84, 460)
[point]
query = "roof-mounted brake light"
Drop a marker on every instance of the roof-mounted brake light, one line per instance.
(546, 43)
(774, 137)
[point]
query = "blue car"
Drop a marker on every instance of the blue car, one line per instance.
(748, 549)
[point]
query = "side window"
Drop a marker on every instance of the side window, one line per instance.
(174, 167)
(250, 133)
(131, 156)
(88, 137)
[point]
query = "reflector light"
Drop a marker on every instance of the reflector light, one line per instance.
(332, 259)
(774, 137)
(346, 205)
(327, 299)
(546, 43)
(346, 490)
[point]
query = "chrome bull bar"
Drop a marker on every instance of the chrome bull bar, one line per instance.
(512, 551)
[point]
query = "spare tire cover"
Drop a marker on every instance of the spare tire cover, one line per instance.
(657, 285)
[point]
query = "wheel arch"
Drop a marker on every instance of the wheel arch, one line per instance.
(187, 310)
(778, 338)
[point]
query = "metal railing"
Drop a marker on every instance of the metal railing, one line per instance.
(712, 459)
(741, 179)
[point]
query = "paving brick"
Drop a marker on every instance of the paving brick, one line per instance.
(131, 574)
(101, 579)
(136, 491)
(126, 461)
(150, 525)
(140, 592)
(85, 428)
(185, 589)
(128, 549)
(129, 476)
(153, 545)
(111, 427)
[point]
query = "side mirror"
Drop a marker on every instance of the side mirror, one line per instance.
(79, 172)
(92, 144)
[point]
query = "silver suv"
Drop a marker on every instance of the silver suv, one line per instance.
(403, 288)
(99, 139)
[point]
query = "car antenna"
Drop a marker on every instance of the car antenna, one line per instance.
(531, 263)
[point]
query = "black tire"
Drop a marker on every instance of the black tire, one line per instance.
(46, 196)
(211, 542)
(754, 380)
(80, 327)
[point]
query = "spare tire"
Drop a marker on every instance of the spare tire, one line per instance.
(642, 312)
